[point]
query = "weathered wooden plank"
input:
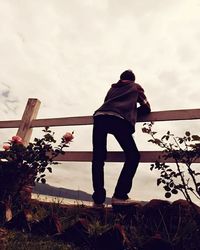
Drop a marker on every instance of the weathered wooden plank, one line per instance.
(112, 156)
(172, 115)
(63, 121)
(30, 113)
(169, 115)
(10, 124)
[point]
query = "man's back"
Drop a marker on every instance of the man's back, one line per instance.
(122, 98)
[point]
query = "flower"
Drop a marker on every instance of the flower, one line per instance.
(6, 146)
(68, 137)
(16, 139)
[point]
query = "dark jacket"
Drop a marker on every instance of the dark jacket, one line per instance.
(122, 98)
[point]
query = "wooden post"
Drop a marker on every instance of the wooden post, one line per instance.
(30, 113)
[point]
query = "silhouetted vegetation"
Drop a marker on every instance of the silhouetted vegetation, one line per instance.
(185, 150)
(156, 225)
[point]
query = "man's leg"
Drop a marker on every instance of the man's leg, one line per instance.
(99, 156)
(132, 157)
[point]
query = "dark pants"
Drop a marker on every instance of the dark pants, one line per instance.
(122, 131)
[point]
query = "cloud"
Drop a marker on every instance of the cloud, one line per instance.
(8, 101)
(67, 53)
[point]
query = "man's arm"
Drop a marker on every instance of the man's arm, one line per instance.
(145, 107)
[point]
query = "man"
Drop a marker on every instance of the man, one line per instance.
(117, 116)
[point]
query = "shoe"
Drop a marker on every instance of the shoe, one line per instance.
(122, 202)
(96, 205)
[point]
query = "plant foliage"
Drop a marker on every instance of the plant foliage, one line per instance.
(184, 151)
(21, 166)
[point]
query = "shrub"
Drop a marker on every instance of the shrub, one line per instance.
(21, 166)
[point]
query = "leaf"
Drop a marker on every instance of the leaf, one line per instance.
(145, 130)
(42, 170)
(167, 195)
(43, 180)
(169, 170)
(151, 140)
(157, 141)
(159, 180)
(157, 164)
(180, 140)
(174, 191)
(55, 163)
(44, 164)
(195, 138)
(167, 188)
(152, 166)
(187, 133)
(49, 169)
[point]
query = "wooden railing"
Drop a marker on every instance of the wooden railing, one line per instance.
(29, 121)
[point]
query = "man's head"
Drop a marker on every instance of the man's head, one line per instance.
(127, 75)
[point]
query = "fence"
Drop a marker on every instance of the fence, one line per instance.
(29, 121)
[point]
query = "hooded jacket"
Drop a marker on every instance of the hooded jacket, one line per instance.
(122, 99)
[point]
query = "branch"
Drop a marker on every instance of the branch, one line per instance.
(190, 171)
(183, 181)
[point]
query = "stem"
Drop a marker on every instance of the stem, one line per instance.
(165, 226)
(183, 193)
(192, 175)
(195, 195)
(162, 145)
(177, 143)
(178, 225)
(183, 181)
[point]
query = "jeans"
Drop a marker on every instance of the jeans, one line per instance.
(122, 131)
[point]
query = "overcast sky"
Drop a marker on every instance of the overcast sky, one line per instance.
(67, 53)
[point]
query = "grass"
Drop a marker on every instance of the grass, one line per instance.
(21, 241)
(177, 227)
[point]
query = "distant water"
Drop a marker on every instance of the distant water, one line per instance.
(60, 200)
(65, 201)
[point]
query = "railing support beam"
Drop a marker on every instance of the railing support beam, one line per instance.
(30, 113)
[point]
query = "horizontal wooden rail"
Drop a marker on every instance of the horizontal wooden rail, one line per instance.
(172, 115)
(63, 121)
(113, 156)
(10, 124)
(169, 115)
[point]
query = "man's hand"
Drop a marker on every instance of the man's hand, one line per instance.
(144, 109)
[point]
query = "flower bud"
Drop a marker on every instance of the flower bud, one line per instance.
(68, 137)
(6, 146)
(16, 139)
